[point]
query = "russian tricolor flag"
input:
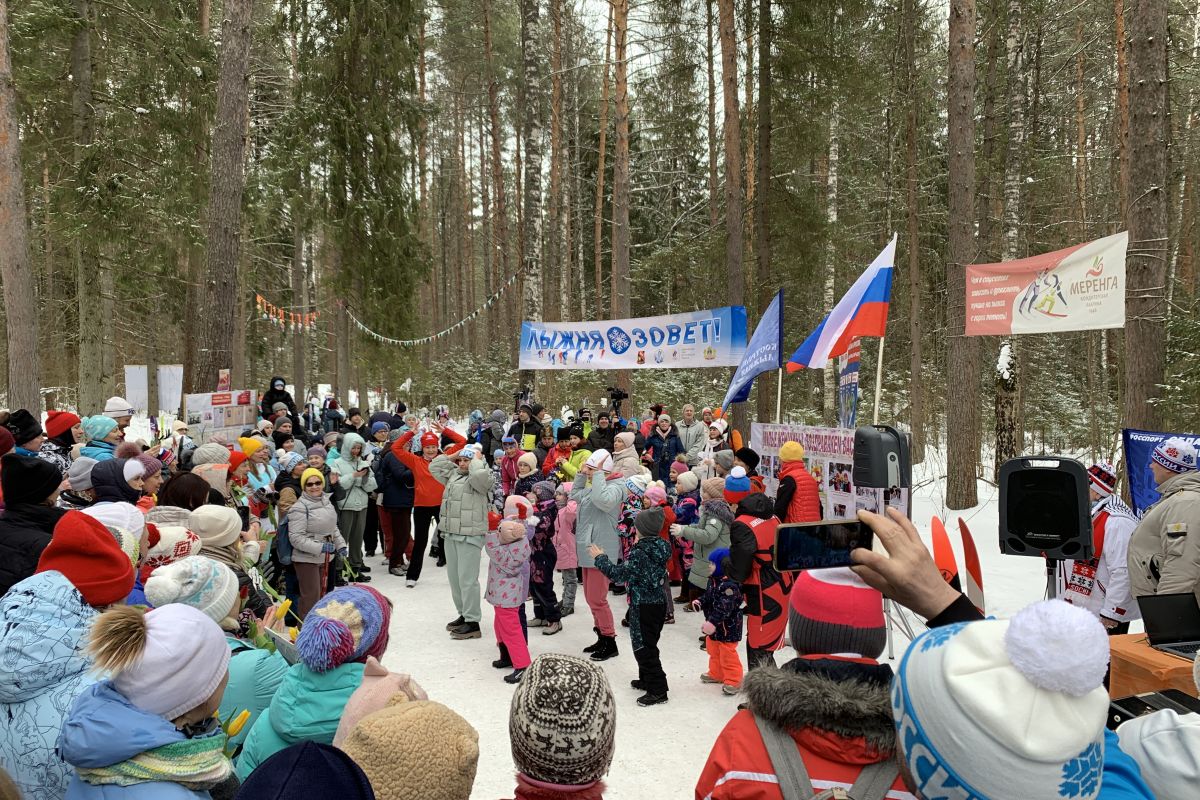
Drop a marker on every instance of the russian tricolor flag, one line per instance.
(862, 311)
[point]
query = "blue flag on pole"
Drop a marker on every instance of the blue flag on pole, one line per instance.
(764, 353)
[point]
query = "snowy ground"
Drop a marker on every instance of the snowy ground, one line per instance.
(666, 744)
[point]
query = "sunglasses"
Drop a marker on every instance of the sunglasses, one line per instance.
(311, 484)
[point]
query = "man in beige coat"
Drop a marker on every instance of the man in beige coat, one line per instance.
(1164, 552)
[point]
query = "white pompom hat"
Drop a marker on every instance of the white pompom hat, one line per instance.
(1006, 708)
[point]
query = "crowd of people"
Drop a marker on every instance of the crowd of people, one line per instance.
(186, 619)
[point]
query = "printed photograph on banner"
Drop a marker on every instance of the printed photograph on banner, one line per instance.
(823, 447)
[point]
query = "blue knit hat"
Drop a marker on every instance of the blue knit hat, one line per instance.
(717, 557)
(290, 461)
(345, 626)
(737, 486)
(97, 427)
(379, 426)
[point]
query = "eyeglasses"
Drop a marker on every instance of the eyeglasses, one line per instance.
(311, 484)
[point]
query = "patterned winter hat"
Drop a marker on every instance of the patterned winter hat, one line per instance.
(345, 626)
(210, 453)
(1102, 478)
(1175, 454)
(563, 721)
(206, 585)
(737, 486)
(290, 461)
(1027, 692)
(168, 544)
(833, 611)
(544, 490)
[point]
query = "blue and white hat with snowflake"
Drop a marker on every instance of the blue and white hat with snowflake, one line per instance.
(1006, 708)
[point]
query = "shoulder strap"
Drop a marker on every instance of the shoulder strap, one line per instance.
(875, 780)
(794, 783)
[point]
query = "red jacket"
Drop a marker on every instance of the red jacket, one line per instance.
(799, 496)
(853, 695)
(427, 491)
(508, 471)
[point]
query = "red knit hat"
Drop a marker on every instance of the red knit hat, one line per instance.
(59, 422)
(236, 458)
(833, 611)
(430, 440)
(89, 557)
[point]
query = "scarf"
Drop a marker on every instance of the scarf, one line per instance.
(196, 764)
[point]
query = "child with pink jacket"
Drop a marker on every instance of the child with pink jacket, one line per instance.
(508, 552)
(564, 543)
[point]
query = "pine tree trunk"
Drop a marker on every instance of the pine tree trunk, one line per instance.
(710, 56)
(194, 257)
(16, 270)
(733, 153)
(1122, 121)
(225, 196)
(532, 134)
(554, 267)
(916, 383)
(83, 248)
(598, 214)
(1149, 173)
(962, 373)
(499, 207)
(830, 377)
(619, 290)
(299, 281)
(1006, 382)
(762, 219)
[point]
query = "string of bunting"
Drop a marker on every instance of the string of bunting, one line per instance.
(427, 339)
(283, 318)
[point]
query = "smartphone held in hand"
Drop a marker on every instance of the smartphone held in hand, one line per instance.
(820, 545)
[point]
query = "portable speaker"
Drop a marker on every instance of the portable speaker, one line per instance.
(1044, 509)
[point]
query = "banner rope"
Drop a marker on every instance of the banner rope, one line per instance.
(432, 337)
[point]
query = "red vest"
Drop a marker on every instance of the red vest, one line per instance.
(806, 501)
(766, 601)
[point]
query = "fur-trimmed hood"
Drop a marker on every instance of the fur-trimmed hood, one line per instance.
(719, 509)
(848, 698)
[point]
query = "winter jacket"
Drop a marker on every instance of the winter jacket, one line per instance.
(644, 572)
(662, 449)
(103, 729)
(56, 454)
(467, 497)
(508, 571)
(307, 707)
(254, 675)
(710, 533)
(598, 500)
(44, 622)
(272, 396)
(1166, 542)
(311, 523)
(358, 489)
(564, 536)
(692, 437)
(722, 606)
(543, 556)
(601, 439)
(24, 533)
(569, 468)
(427, 490)
(397, 483)
(1101, 584)
(798, 498)
(705, 460)
(627, 463)
(491, 438)
(751, 544)
(837, 711)
(508, 471)
(526, 434)
(99, 450)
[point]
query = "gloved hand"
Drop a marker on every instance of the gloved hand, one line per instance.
(695, 605)
(344, 552)
(328, 548)
(707, 628)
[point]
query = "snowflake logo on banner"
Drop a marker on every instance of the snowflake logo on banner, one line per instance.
(618, 340)
(939, 636)
(1081, 775)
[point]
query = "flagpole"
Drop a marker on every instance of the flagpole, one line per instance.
(878, 382)
(778, 396)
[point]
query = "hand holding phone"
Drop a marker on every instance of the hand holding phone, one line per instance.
(820, 545)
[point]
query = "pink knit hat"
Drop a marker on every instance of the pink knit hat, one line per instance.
(834, 612)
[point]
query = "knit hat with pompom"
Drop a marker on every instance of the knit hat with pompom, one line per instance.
(347, 625)
(1006, 708)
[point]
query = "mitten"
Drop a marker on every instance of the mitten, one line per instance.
(328, 548)
(707, 628)
(344, 552)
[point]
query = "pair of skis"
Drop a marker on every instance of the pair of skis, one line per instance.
(943, 556)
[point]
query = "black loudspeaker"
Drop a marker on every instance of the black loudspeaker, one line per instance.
(881, 458)
(1044, 508)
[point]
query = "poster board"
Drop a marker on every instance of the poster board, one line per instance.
(829, 456)
(228, 413)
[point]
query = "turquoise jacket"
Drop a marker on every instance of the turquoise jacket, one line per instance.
(307, 708)
(99, 450)
(43, 667)
(254, 675)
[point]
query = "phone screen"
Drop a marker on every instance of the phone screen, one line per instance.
(820, 545)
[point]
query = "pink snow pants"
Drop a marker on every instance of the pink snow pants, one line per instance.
(595, 589)
(508, 633)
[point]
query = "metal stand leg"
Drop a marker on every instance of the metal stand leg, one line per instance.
(1051, 578)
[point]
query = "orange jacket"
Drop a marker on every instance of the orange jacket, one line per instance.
(426, 490)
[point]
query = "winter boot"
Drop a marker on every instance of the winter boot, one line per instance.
(637, 684)
(591, 648)
(468, 630)
(607, 650)
(452, 625)
(514, 676)
(504, 662)
(649, 699)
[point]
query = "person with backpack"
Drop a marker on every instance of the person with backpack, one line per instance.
(752, 539)
(823, 721)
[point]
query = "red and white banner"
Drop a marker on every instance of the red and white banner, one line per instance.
(1079, 288)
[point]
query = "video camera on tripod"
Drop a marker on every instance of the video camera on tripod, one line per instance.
(616, 396)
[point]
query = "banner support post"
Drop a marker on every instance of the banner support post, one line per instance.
(778, 395)
(878, 382)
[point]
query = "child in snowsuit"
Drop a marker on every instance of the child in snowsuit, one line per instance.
(564, 542)
(527, 474)
(644, 573)
(722, 607)
(544, 557)
(656, 496)
(508, 584)
(687, 512)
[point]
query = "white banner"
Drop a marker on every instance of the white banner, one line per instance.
(229, 413)
(1078, 288)
(710, 338)
(137, 387)
(170, 388)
